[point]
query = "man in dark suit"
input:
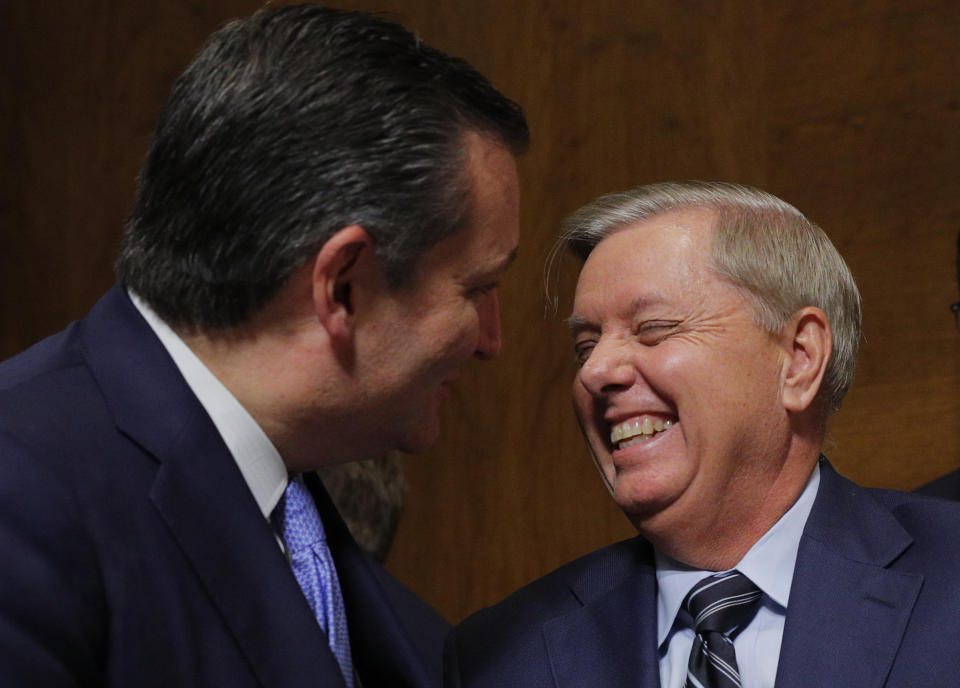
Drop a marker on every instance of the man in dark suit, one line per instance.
(313, 254)
(716, 330)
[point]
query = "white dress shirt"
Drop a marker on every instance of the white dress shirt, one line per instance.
(769, 564)
(256, 457)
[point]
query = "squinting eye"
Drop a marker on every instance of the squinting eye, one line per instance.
(656, 325)
(583, 352)
(484, 290)
(654, 331)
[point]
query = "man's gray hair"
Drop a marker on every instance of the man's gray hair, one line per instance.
(761, 244)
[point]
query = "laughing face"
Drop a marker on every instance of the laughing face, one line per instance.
(678, 391)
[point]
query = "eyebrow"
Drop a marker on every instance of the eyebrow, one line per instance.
(577, 323)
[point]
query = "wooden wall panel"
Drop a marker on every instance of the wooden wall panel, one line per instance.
(865, 133)
(850, 110)
(81, 87)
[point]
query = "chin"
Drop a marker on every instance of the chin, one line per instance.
(641, 499)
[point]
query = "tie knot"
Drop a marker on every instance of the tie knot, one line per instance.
(722, 603)
(302, 527)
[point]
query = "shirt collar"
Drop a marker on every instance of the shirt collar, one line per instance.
(769, 563)
(256, 457)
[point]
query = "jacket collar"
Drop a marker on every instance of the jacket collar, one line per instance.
(203, 499)
(585, 648)
(200, 495)
(848, 611)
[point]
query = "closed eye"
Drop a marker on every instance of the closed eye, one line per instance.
(652, 332)
(483, 290)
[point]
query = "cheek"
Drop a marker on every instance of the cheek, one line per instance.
(452, 341)
(467, 329)
(707, 379)
(674, 377)
(751, 382)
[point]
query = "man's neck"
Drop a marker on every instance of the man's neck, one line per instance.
(274, 365)
(716, 541)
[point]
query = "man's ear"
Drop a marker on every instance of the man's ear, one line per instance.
(335, 269)
(809, 343)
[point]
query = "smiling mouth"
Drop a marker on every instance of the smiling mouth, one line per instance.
(638, 430)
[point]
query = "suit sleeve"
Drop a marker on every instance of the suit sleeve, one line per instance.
(51, 620)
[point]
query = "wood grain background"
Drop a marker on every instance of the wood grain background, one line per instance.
(849, 110)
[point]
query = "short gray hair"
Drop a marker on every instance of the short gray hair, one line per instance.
(761, 244)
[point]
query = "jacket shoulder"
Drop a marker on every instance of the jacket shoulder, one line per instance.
(53, 353)
(945, 487)
(932, 522)
(570, 586)
(504, 644)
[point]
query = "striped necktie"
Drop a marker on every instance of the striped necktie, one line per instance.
(720, 605)
(314, 569)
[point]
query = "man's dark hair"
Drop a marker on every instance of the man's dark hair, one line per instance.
(287, 127)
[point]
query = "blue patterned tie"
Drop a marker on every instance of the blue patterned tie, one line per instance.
(721, 605)
(315, 572)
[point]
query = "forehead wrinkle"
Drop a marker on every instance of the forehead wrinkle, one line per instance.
(646, 301)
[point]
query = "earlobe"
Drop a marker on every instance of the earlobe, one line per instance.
(809, 342)
(335, 269)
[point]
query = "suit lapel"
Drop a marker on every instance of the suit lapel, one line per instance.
(201, 496)
(380, 642)
(612, 639)
(847, 612)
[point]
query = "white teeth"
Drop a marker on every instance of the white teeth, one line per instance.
(636, 431)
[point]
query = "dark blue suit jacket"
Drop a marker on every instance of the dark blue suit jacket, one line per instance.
(135, 555)
(946, 487)
(875, 601)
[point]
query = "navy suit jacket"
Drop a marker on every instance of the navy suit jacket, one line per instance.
(875, 601)
(946, 487)
(134, 554)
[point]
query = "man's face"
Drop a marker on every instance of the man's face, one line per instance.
(423, 335)
(678, 388)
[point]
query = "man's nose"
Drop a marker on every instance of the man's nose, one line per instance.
(608, 367)
(489, 342)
